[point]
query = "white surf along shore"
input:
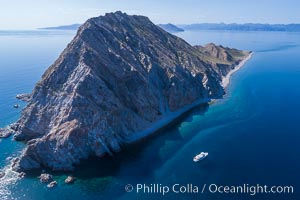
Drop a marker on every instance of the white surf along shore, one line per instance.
(171, 116)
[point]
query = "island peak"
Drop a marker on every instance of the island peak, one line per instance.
(120, 79)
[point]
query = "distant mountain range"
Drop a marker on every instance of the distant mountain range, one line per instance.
(209, 26)
(242, 27)
(64, 27)
(170, 28)
(167, 27)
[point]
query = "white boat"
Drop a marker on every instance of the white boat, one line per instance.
(200, 156)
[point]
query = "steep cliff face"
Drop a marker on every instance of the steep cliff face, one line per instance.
(118, 76)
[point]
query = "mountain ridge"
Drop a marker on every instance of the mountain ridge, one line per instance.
(242, 27)
(62, 27)
(118, 76)
(169, 27)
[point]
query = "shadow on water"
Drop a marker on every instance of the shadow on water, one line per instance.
(279, 48)
(141, 158)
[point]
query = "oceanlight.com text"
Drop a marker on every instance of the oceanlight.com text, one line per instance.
(189, 188)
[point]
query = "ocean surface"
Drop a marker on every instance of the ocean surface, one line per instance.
(252, 135)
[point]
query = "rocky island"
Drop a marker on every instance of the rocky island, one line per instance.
(120, 79)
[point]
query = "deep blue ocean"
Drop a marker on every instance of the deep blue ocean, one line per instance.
(252, 134)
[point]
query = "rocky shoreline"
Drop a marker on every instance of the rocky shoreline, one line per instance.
(165, 121)
(119, 80)
(172, 116)
(24, 97)
(6, 132)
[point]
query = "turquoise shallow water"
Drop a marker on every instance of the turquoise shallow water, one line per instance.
(252, 134)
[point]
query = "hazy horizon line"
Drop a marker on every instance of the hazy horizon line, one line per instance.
(177, 24)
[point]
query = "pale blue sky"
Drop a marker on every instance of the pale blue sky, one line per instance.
(30, 14)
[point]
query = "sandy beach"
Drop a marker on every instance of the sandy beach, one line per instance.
(168, 118)
(163, 122)
(226, 79)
